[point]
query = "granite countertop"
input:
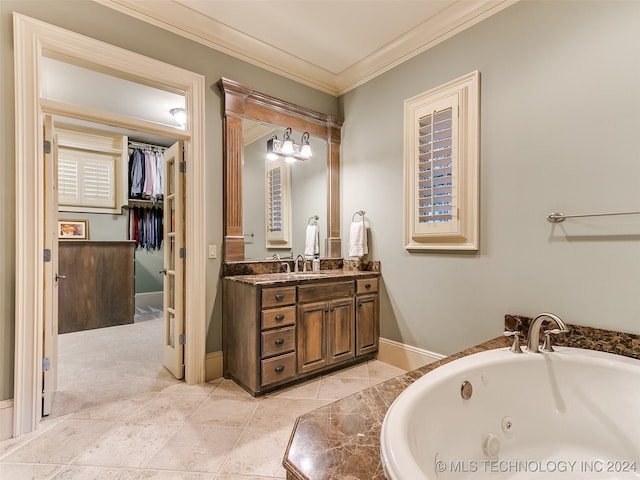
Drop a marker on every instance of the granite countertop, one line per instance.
(286, 278)
(342, 440)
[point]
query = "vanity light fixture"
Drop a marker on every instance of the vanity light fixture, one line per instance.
(180, 116)
(287, 148)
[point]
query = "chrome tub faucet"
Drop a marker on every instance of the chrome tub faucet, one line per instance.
(533, 338)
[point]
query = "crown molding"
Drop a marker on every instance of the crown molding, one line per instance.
(181, 20)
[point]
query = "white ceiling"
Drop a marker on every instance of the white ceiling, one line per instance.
(330, 45)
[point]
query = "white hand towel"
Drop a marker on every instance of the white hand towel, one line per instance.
(358, 239)
(312, 241)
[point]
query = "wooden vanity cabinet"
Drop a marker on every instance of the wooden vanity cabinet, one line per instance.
(274, 335)
(367, 316)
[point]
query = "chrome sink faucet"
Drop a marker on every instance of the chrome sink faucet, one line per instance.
(533, 338)
(304, 263)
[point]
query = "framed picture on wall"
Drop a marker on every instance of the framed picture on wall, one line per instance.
(73, 229)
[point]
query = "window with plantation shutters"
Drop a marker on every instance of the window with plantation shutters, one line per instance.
(92, 171)
(441, 167)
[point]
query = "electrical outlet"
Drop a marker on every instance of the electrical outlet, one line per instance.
(213, 251)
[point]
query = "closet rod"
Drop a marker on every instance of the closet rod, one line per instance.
(146, 145)
(559, 217)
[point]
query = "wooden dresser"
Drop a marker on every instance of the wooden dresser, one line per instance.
(98, 290)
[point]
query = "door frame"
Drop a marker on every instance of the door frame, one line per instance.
(31, 39)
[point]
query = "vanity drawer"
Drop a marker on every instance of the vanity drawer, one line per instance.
(366, 285)
(275, 296)
(325, 291)
(278, 369)
(277, 342)
(278, 317)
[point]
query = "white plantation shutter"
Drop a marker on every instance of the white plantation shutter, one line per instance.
(68, 182)
(97, 185)
(441, 167)
(436, 166)
(92, 170)
(86, 179)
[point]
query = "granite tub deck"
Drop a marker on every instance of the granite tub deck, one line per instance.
(342, 440)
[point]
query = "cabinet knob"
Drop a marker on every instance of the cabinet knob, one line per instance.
(279, 296)
(279, 341)
(279, 317)
(367, 285)
(279, 369)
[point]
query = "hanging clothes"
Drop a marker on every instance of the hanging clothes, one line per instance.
(146, 173)
(146, 226)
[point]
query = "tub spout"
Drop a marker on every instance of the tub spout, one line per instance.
(533, 338)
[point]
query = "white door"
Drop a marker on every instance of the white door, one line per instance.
(174, 253)
(51, 277)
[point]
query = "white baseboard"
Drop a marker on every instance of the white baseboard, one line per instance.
(405, 356)
(148, 299)
(213, 366)
(6, 419)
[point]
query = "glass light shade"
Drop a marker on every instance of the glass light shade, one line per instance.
(180, 116)
(287, 147)
(305, 151)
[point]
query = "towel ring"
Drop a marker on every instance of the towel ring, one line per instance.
(314, 218)
(359, 212)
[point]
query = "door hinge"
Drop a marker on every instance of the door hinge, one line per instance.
(46, 364)
(182, 339)
(183, 252)
(183, 167)
(47, 146)
(47, 255)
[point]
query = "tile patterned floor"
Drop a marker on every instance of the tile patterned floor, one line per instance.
(164, 429)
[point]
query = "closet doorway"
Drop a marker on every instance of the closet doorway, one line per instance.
(34, 41)
(105, 352)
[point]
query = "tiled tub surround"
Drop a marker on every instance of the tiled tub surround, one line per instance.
(342, 440)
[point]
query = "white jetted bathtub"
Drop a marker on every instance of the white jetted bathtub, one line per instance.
(568, 414)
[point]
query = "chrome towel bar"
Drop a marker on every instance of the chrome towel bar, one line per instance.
(560, 217)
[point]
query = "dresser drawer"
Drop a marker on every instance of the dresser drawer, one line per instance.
(366, 285)
(278, 369)
(277, 342)
(278, 317)
(325, 291)
(276, 296)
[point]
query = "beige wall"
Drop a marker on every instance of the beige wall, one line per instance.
(559, 132)
(104, 24)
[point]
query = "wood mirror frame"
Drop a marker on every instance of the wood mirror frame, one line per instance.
(242, 102)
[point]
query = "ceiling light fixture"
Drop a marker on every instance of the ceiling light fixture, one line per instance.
(287, 148)
(180, 116)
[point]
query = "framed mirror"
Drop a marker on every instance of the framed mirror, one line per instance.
(244, 106)
(284, 202)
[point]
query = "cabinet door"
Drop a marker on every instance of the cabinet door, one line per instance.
(341, 330)
(312, 346)
(367, 324)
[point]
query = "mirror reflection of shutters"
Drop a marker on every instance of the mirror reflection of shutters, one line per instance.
(275, 199)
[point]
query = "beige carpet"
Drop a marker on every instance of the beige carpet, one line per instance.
(106, 364)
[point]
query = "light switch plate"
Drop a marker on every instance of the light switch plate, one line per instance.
(213, 251)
